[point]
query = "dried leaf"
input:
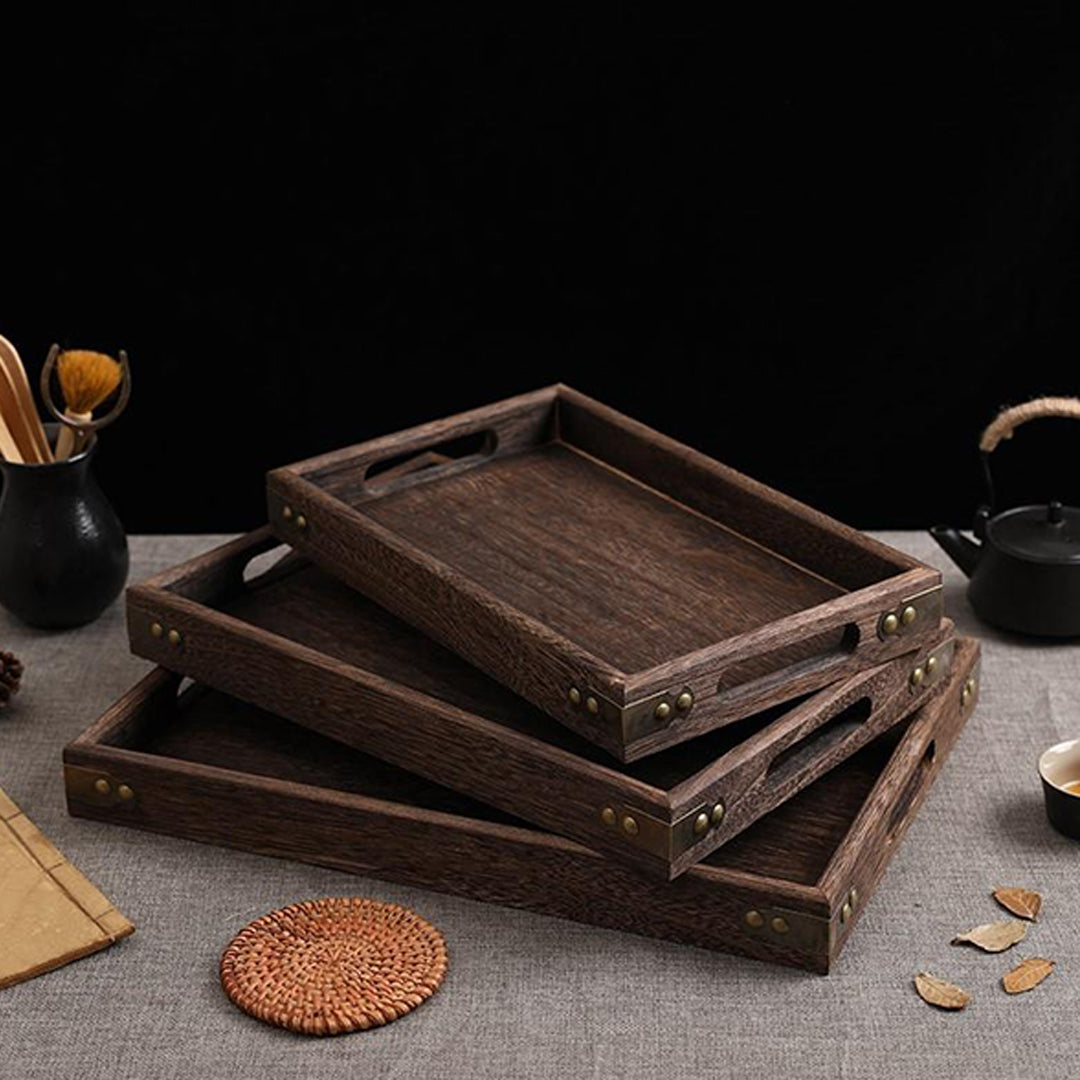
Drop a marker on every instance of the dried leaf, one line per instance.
(1022, 902)
(938, 992)
(995, 936)
(1027, 975)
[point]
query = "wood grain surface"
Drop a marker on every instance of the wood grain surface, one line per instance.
(294, 640)
(577, 548)
(209, 768)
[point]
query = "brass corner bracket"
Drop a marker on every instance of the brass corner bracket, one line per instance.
(96, 787)
(294, 517)
(666, 840)
(792, 929)
(924, 610)
(933, 669)
(638, 719)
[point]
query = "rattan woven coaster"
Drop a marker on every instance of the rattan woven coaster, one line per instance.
(326, 967)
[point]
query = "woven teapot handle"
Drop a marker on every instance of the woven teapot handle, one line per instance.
(1008, 420)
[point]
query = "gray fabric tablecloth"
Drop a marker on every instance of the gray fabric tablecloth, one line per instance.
(533, 996)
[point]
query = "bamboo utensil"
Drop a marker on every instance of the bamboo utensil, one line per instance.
(86, 380)
(8, 447)
(12, 363)
(63, 552)
(17, 424)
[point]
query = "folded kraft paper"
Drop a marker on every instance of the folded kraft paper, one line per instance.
(49, 913)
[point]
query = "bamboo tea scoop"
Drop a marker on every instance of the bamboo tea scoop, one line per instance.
(12, 362)
(15, 421)
(8, 447)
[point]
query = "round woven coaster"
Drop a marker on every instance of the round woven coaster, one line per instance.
(325, 967)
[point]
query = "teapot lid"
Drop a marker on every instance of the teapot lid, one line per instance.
(1048, 533)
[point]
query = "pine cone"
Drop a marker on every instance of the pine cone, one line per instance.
(10, 673)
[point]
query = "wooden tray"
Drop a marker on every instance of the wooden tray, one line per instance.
(297, 642)
(627, 585)
(789, 889)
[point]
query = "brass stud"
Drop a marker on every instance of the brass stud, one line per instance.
(701, 824)
(662, 711)
(917, 676)
(969, 686)
(931, 665)
(102, 786)
(286, 513)
(853, 897)
(574, 694)
(175, 639)
(156, 630)
(301, 521)
(684, 701)
(845, 912)
(780, 925)
(890, 624)
(965, 697)
(629, 826)
(592, 705)
(125, 793)
(717, 813)
(754, 920)
(607, 816)
(907, 616)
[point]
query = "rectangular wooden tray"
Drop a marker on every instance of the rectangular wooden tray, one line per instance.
(632, 588)
(789, 889)
(295, 641)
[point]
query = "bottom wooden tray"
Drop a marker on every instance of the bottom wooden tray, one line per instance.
(208, 767)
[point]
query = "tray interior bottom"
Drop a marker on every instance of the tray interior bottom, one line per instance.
(795, 842)
(301, 603)
(632, 576)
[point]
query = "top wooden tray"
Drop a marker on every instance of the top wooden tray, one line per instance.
(630, 587)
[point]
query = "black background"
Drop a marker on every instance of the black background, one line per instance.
(824, 251)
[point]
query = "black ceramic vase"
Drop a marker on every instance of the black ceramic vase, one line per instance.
(63, 552)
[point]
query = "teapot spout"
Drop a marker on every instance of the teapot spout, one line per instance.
(964, 552)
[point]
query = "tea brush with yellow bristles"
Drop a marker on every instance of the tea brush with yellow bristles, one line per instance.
(87, 379)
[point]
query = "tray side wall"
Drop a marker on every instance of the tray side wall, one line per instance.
(861, 861)
(503, 768)
(806, 536)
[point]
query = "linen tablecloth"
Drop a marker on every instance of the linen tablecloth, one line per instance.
(533, 996)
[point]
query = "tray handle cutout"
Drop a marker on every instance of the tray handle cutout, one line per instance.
(246, 562)
(387, 474)
(257, 570)
(817, 653)
(913, 788)
(464, 441)
(803, 759)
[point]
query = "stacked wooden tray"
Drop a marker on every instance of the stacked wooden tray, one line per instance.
(542, 612)
(630, 587)
(209, 767)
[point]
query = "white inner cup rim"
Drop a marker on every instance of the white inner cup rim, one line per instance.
(1060, 765)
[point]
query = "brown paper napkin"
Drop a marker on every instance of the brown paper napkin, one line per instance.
(49, 913)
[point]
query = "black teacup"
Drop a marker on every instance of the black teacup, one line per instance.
(1059, 769)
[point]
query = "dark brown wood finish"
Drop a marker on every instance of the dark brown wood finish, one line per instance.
(570, 548)
(298, 642)
(207, 767)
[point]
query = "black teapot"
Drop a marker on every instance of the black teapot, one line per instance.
(1025, 575)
